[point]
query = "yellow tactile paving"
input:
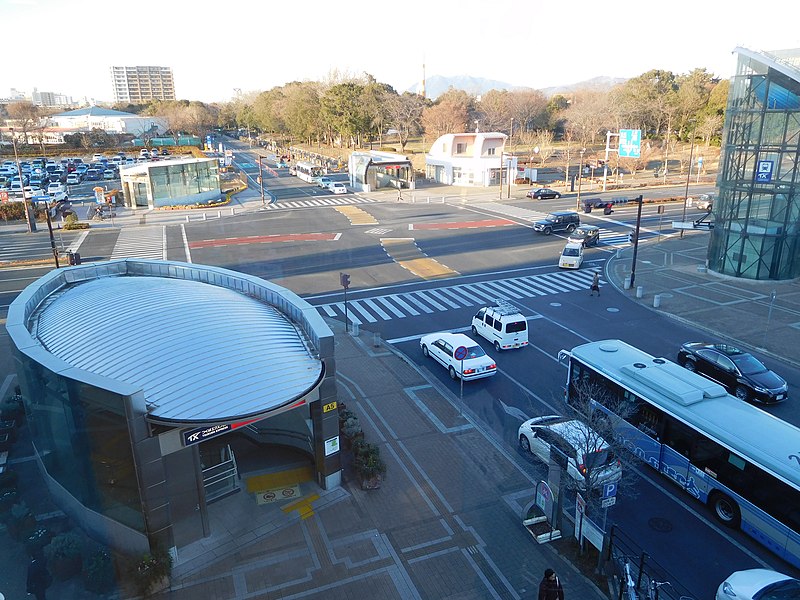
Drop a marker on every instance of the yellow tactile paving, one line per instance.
(404, 252)
(280, 479)
(302, 506)
(357, 216)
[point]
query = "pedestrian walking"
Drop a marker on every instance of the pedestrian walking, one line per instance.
(550, 586)
(595, 284)
(39, 578)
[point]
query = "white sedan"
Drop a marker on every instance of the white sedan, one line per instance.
(442, 348)
(337, 187)
(758, 583)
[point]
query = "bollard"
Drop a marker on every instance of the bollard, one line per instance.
(233, 211)
(354, 330)
(376, 339)
(627, 284)
(657, 301)
(187, 218)
(219, 214)
(205, 216)
(639, 291)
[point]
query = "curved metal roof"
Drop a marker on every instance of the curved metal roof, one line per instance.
(200, 352)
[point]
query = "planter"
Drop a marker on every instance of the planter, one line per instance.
(63, 555)
(37, 540)
(98, 572)
(9, 427)
(371, 483)
(65, 567)
(541, 530)
(20, 525)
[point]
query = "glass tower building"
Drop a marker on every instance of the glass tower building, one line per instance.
(758, 211)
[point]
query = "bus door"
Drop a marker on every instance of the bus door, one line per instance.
(676, 444)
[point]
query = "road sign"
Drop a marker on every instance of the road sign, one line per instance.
(630, 143)
(460, 353)
(609, 490)
(3, 196)
(764, 171)
(606, 502)
(580, 504)
(44, 198)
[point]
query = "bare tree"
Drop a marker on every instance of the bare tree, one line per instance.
(404, 114)
(543, 139)
(450, 114)
(25, 116)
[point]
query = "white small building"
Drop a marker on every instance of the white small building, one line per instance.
(470, 159)
(182, 181)
(110, 121)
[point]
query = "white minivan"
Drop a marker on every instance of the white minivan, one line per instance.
(502, 324)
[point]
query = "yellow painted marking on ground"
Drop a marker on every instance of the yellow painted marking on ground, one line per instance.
(271, 481)
(357, 216)
(404, 252)
(302, 506)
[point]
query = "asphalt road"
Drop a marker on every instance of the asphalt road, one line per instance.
(485, 251)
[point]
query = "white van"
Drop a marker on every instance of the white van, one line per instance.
(502, 324)
(571, 256)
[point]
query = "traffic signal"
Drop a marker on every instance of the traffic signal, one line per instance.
(344, 280)
(632, 237)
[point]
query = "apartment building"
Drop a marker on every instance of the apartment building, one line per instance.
(142, 84)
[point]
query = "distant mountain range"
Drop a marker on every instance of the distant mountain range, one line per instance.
(436, 85)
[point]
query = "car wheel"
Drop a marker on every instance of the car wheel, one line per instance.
(689, 365)
(474, 330)
(726, 511)
(497, 346)
(547, 231)
(570, 228)
(742, 393)
(525, 444)
(557, 196)
(453, 374)
(425, 352)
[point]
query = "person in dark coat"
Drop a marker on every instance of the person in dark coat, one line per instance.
(550, 586)
(595, 284)
(38, 578)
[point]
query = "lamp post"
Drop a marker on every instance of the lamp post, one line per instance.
(580, 178)
(29, 217)
(688, 177)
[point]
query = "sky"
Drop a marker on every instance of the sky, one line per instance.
(216, 48)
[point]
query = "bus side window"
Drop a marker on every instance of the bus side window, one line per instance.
(678, 436)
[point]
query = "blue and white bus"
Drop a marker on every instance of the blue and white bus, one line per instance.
(739, 460)
(308, 172)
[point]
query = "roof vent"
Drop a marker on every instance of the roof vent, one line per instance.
(609, 347)
(640, 365)
(659, 361)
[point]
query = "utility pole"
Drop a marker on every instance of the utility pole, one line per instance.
(580, 179)
(605, 164)
(639, 200)
(261, 179)
(30, 215)
(688, 177)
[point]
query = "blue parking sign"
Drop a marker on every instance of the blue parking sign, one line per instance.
(764, 171)
(610, 490)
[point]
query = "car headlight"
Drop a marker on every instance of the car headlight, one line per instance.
(760, 390)
(727, 589)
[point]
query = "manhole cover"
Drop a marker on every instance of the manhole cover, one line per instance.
(660, 525)
(611, 309)
(556, 304)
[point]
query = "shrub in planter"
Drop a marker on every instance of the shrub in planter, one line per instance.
(370, 468)
(151, 572)
(22, 522)
(63, 555)
(98, 571)
(37, 540)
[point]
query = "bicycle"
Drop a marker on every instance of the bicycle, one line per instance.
(630, 584)
(654, 587)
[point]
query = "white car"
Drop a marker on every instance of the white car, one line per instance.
(571, 256)
(572, 438)
(324, 182)
(758, 583)
(338, 187)
(704, 202)
(442, 348)
(56, 187)
(73, 178)
(502, 324)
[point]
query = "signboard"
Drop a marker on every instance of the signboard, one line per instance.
(589, 530)
(610, 490)
(3, 196)
(544, 499)
(764, 171)
(580, 504)
(332, 446)
(44, 198)
(329, 407)
(606, 502)
(460, 353)
(630, 143)
(195, 436)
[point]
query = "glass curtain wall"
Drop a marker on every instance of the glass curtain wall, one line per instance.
(181, 180)
(81, 434)
(758, 212)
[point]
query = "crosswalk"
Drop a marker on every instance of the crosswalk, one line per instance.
(430, 301)
(317, 202)
(141, 242)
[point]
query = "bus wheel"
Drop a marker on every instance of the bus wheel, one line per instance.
(725, 509)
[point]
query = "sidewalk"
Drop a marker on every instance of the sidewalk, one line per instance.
(740, 310)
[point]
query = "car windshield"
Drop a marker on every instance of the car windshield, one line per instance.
(516, 326)
(571, 252)
(475, 352)
(551, 217)
(748, 364)
(580, 233)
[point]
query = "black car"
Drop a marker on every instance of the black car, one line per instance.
(543, 194)
(739, 372)
(564, 220)
(588, 235)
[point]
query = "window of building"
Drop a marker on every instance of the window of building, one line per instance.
(491, 151)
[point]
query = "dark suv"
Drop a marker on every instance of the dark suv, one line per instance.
(564, 220)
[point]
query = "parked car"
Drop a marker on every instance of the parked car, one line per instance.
(109, 174)
(73, 178)
(93, 175)
(759, 584)
(324, 182)
(571, 256)
(442, 346)
(54, 187)
(502, 324)
(543, 194)
(97, 157)
(565, 220)
(704, 202)
(739, 372)
(586, 235)
(586, 450)
(337, 187)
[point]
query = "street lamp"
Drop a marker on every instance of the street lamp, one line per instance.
(688, 176)
(28, 213)
(580, 178)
